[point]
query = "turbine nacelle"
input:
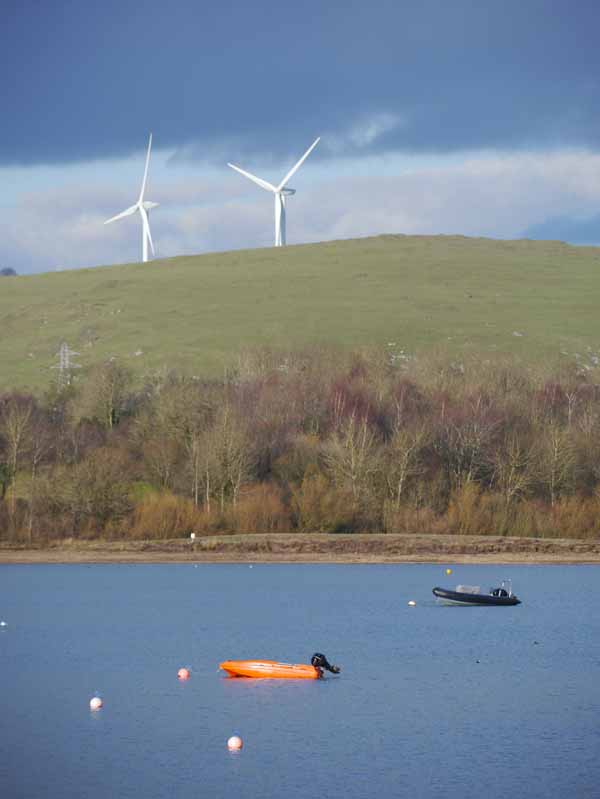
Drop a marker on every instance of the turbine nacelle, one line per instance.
(148, 205)
(287, 192)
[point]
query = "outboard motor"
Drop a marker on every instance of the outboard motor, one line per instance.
(319, 661)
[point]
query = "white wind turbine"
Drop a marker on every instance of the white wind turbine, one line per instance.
(143, 206)
(281, 192)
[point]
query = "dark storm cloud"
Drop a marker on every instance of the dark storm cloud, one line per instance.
(89, 80)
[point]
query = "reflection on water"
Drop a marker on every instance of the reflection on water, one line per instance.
(432, 700)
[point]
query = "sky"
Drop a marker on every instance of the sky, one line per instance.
(468, 117)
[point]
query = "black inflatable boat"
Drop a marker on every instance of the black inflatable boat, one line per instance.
(471, 595)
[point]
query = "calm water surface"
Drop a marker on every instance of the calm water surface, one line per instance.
(432, 701)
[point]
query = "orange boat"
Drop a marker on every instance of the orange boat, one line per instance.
(272, 669)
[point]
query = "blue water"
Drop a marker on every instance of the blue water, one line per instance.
(432, 701)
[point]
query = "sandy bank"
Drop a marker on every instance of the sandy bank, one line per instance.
(313, 548)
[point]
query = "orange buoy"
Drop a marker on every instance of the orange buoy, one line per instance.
(183, 674)
(234, 743)
(95, 703)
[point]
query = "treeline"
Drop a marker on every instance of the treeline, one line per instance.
(313, 441)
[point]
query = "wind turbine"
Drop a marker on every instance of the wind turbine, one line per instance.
(281, 192)
(143, 206)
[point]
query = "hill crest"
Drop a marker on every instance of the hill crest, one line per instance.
(195, 313)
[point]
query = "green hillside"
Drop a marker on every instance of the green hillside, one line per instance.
(195, 313)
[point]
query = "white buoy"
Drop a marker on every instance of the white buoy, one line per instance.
(412, 603)
(234, 743)
(3, 624)
(95, 703)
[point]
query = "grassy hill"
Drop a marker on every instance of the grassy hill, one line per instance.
(532, 299)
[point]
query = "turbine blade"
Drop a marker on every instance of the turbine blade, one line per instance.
(127, 212)
(146, 225)
(259, 181)
(146, 169)
(297, 166)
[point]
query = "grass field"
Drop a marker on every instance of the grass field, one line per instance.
(531, 299)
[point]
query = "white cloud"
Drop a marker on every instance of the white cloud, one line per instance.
(249, 150)
(478, 194)
(363, 132)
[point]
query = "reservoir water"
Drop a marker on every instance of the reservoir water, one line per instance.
(432, 701)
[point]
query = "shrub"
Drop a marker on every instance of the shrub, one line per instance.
(473, 512)
(576, 517)
(319, 507)
(409, 519)
(261, 509)
(165, 515)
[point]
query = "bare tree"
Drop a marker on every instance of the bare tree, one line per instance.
(350, 455)
(42, 442)
(464, 440)
(404, 459)
(225, 457)
(556, 461)
(196, 420)
(161, 455)
(104, 394)
(167, 432)
(5, 479)
(97, 490)
(15, 429)
(513, 470)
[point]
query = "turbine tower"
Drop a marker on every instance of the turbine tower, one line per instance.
(143, 206)
(281, 192)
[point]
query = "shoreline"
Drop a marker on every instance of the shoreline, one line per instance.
(313, 548)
